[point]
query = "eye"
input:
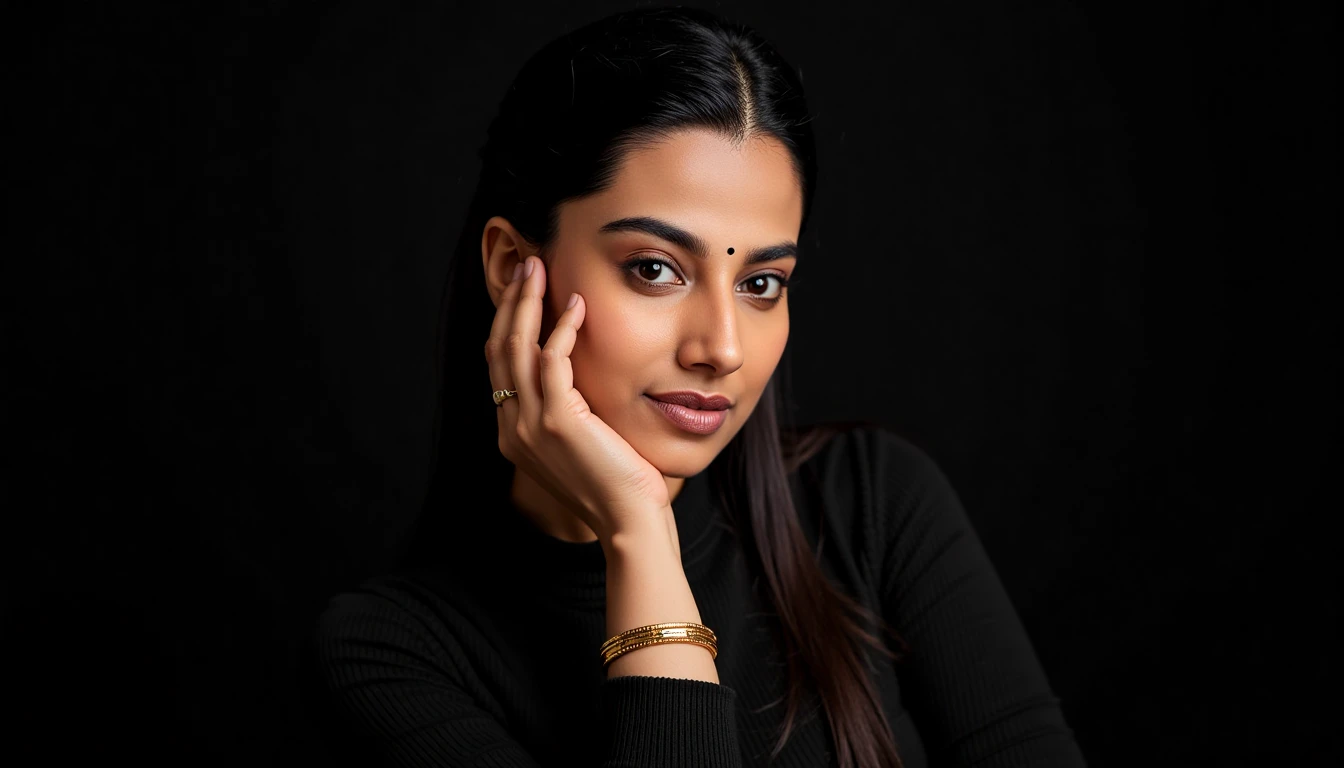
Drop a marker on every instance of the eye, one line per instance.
(767, 287)
(653, 271)
(759, 286)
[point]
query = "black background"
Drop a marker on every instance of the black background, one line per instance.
(1079, 254)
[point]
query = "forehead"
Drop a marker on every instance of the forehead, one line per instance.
(729, 194)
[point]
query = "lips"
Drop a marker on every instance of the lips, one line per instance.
(693, 420)
(694, 400)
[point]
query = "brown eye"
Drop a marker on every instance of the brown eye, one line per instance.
(767, 287)
(652, 270)
(759, 286)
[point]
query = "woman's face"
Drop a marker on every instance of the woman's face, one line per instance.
(681, 309)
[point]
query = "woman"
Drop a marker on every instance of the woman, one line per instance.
(634, 230)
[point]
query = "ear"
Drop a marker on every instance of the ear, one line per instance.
(502, 248)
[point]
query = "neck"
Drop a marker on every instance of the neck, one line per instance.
(555, 518)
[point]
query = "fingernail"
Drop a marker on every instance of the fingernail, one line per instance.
(530, 263)
(517, 270)
(573, 299)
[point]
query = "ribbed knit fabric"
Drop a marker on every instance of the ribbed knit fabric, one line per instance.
(490, 658)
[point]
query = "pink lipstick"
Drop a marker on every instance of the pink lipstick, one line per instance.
(692, 411)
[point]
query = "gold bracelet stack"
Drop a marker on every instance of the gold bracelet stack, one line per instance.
(654, 634)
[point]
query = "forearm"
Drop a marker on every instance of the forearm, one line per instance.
(646, 584)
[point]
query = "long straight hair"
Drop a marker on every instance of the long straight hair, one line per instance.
(573, 111)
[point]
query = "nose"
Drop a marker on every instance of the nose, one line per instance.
(712, 337)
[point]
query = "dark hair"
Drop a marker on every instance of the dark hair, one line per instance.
(573, 111)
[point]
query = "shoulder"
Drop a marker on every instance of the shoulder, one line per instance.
(875, 463)
(387, 595)
(388, 613)
(868, 489)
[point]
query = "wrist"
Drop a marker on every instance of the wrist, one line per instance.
(651, 536)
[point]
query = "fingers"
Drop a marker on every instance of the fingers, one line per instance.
(516, 360)
(504, 312)
(557, 373)
(497, 347)
(499, 328)
(522, 343)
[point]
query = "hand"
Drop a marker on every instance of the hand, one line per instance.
(549, 432)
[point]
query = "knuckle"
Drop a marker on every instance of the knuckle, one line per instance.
(550, 424)
(516, 343)
(522, 432)
(491, 349)
(549, 358)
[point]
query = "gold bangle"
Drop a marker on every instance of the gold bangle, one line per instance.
(662, 630)
(713, 653)
(668, 634)
(656, 634)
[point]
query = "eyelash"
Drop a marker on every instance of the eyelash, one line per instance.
(632, 266)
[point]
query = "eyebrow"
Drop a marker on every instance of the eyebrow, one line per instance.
(691, 242)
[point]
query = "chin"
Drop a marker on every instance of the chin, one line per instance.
(676, 457)
(683, 471)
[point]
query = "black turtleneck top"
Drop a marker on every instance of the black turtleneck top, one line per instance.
(490, 658)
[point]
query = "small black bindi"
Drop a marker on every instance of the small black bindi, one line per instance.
(730, 251)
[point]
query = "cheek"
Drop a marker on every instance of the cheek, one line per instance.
(768, 347)
(616, 347)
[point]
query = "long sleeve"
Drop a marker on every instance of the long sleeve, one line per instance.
(972, 679)
(399, 700)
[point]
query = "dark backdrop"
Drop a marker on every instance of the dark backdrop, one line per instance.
(1079, 254)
